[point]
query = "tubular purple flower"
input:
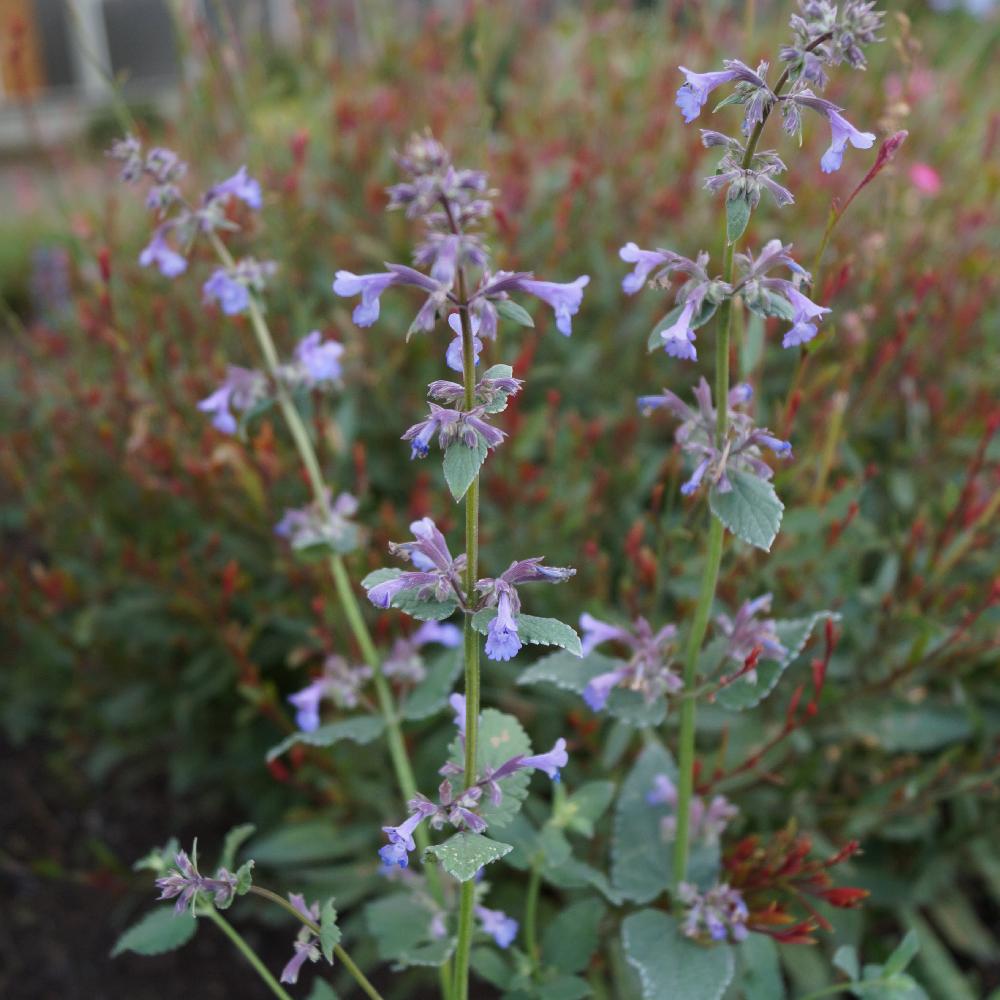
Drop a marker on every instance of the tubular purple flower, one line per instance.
(691, 485)
(806, 310)
(599, 689)
(532, 571)
(186, 882)
(401, 842)
(646, 261)
(381, 594)
(564, 298)
(159, 252)
(307, 703)
(693, 93)
(498, 925)
(241, 389)
(596, 632)
(449, 636)
(502, 639)
(369, 287)
(550, 762)
(842, 131)
(241, 185)
(678, 338)
(454, 355)
(232, 296)
(320, 360)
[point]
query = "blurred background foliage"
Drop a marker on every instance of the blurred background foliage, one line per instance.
(153, 626)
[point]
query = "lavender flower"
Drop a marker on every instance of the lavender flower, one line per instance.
(718, 914)
(186, 882)
(328, 524)
(370, 287)
(231, 287)
(746, 633)
(306, 944)
(405, 663)
(454, 354)
(397, 851)
(340, 681)
(451, 426)
(841, 130)
(159, 252)
(706, 824)
(564, 299)
(696, 436)
(550, 763)
(242, 389)
(241, 185)
(498, 925)
(693, 94)
(849, 24)
(503, 640)
(438, 574)
(649, 669)
(317, 361)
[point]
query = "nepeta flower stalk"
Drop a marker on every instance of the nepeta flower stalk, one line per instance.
(724, 441)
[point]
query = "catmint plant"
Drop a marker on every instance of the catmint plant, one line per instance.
(732, 464)
(464, 295)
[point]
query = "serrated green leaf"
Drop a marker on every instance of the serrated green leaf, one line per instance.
(670, 966)
(509, 309)
(760, 976)
(463, 854)
(408, 602)
(794, 634)
(571, 938)
(329, 932)
(534, 630)
(160, 931)
(751, 510)
(641, 858)
(235, 839)
(571, 674)
(361, 729)
(498, 371)
(737, 216)
(244, 877)
(462, 465)
(431, 694)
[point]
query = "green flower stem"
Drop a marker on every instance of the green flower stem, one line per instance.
(471, 640)
(531, 913)
(345, 593)
(341, 954)
(248, 953)
(716, 540)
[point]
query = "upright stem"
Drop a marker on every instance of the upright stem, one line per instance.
(248, 953)
(471, 646)
(345, 593)
(716, 539)
(338, 950)
(531, 913)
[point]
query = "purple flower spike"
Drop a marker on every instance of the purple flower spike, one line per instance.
(564, 299)
(498, 925)
(159, 252)
(186, 882)
(550, 762)
(693, 94)
(369, 287)
(502, 641)
(241, 185)
(233, 296)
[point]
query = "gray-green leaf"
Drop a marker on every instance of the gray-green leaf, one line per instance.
(737, 217)
(751, 510)
(465, 853)
(462, 465)
(329, 932)
(408, 601)
(670, 966)
(360, 729)
(160, 931)
(509, 309)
